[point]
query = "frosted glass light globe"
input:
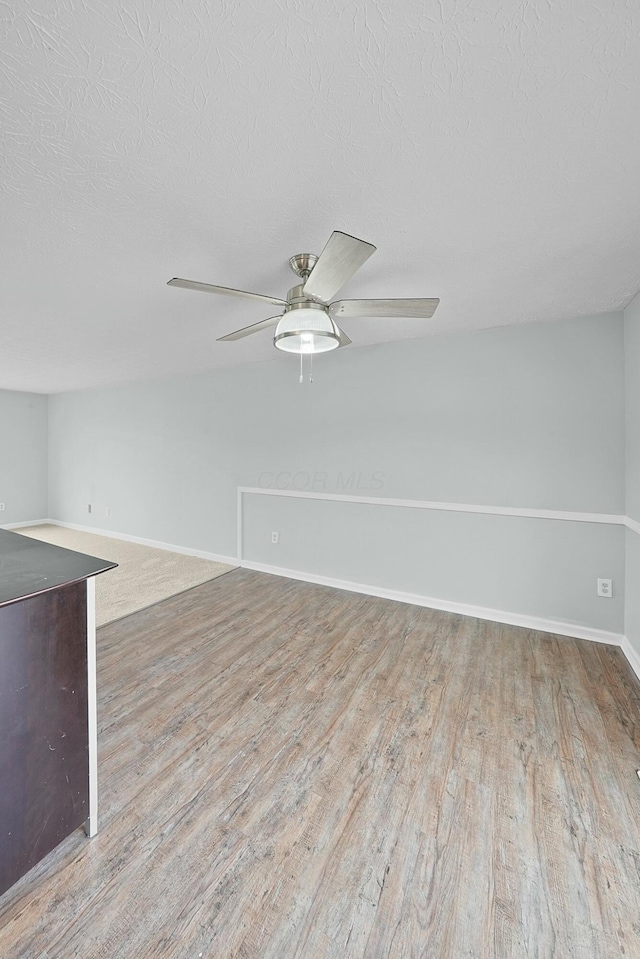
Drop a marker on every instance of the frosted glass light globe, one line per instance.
(306, 331)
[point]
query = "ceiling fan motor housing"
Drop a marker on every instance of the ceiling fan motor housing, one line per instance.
(296, 300)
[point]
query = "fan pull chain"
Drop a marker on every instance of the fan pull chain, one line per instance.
(301, 380)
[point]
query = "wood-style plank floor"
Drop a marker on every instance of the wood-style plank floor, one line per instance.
(289, 771)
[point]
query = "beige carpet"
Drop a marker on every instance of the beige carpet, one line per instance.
(144, 575)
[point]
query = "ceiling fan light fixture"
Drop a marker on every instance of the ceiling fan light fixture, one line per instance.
(306, 331)
(306, 326)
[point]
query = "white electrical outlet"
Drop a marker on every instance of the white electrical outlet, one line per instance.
(107, 510)
(275, 537)
(88, 507)
(605, 588)
(1, 506)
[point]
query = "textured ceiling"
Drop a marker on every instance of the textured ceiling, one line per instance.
(490, 150)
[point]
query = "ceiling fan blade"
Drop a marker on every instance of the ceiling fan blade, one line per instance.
(248, 330)
(341, 257)
(390, 308)
(343, 339)
(224, 290)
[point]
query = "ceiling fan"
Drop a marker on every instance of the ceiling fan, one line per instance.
(307, 322)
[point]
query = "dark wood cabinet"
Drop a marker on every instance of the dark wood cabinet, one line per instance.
(47, 712)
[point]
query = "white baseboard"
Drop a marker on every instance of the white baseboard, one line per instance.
(156, 544)
(557, 627)
(31, 522)
(632, 656)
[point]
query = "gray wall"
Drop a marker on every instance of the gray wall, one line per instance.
(23, 456)
(528, 416)
(632, 475)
